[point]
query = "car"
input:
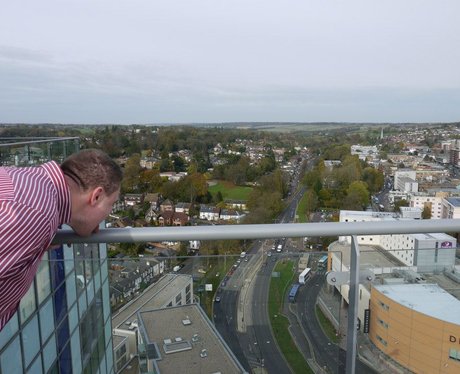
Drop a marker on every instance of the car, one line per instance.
(217, 299)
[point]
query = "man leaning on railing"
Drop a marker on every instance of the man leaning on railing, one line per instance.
(35, 201)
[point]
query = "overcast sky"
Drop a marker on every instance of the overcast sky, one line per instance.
(155, 61)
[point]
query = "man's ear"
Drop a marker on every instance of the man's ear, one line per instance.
(96, 196)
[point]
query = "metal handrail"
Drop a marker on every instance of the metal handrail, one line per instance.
(260, 231)
(401, 226)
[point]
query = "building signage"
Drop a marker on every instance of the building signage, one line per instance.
(446, 245)
(454, 339)
(367, 317)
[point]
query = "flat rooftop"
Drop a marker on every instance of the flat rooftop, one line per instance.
(189, 326)
(455, 201)
(428, 299)
(153, 297)
(370, 256)
(435, 236)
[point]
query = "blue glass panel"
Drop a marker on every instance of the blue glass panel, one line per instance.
(68, 257)
(30, 340)
(46, 320)
(90, 291)
(36, 367)
(49, 353)
(106, 300)
(76, 351)
(57, 267)
(103, 367)
(8, 330)
(97, 280)
(65, 360)
(71, 289)
(63, 334)
(109, 358)
(27, 304)
(82, 304)
(104, 271)
(108, 333)
(43, 280)
(73, 317)
(11, 360)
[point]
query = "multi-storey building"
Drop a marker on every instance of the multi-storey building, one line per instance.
(63, 324)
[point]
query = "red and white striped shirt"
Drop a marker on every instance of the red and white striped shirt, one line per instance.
(34, 202)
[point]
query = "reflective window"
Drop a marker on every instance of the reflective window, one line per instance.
(73, 317)
(97, 280)
(82, 304)
(11, 361)
(106, 300)
(27, 304)
(71, 290)
(43, 279)
(8, 330)
(104, 271)
(36, 367)
(47, 320)
(69, 260)
(76, 353)
(30, 340)
(49, 353)
(90, 291)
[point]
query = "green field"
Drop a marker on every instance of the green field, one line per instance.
(280, 323)
(230, 191)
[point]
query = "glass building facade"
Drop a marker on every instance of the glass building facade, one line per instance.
(63, 324)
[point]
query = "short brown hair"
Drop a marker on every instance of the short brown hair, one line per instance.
(92, 168)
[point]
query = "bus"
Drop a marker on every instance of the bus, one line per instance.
(293, 293)
(322, 263)
(304, 275)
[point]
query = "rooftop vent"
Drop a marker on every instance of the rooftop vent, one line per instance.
(203, 353)
(178, 339)
(195, 338)
(186, 322)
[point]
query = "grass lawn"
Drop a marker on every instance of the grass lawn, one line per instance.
(301, 209)
(230, 191)
(327, 326)
(279, 322)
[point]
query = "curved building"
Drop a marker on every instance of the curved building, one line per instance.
(417, 325)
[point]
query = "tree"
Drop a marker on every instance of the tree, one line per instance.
(131, 174)
(426, 213)
(311, 201)
(374, 179)
(150, 180)
(357, 196)
(399, 204)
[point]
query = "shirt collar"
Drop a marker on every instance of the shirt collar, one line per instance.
(62, 190)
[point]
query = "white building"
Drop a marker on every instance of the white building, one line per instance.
(400, 185)
(364, 151)
(451, 207)
(433, 202)
(427, 252)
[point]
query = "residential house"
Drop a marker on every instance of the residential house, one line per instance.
(183, 208)
(154, 199)
(230, 215)
(167, 206)
(132, 199)
(236, 204)
(169, 218)
(210, 213)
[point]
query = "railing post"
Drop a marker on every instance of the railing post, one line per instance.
(352, 332)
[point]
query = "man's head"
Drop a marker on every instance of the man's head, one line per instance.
(94, 180)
